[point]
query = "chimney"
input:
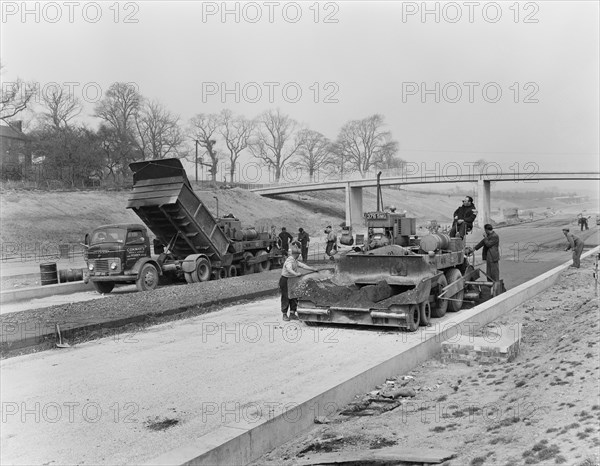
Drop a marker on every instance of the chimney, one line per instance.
(17, 125)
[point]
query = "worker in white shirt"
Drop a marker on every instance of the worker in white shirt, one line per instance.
(290, 269)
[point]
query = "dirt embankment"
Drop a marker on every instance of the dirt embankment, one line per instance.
(542, 408)
(30, 217)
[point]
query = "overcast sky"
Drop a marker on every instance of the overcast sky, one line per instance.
(435, 75)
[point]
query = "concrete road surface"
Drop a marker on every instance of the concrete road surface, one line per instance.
(98, 403)
(129, 398)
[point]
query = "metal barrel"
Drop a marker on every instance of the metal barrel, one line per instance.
(435, 241)
(48, 273)
(77, 275)
(249, 234)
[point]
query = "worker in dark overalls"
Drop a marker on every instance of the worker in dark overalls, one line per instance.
(576, 245)
(464, 217)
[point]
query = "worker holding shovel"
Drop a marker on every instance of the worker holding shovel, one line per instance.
(290, 270)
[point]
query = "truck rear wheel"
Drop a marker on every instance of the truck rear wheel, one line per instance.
(264, 266)
(147, 278)
(439, 306)
(457, 300)
(202, 272)
(103, 287)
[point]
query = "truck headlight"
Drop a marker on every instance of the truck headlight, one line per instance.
(90, 266)
(113, 266)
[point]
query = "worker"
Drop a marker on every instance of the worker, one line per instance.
(304, 239)
(575, 244)
(290, 269)
(491, 251)
(285, 238)
(464, 217)
(331, 247)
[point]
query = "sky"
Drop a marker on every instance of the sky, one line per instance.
(513, 83)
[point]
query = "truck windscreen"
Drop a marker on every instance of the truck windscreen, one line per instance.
(108, 235)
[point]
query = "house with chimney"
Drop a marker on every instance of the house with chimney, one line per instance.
(15, 150)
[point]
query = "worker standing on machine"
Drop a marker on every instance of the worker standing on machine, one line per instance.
(464, 217)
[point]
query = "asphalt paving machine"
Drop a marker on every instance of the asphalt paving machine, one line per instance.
(394, 279)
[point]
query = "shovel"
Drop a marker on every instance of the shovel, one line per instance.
(60, 343)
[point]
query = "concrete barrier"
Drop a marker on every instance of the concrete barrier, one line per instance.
(43, 291)
(240, 443)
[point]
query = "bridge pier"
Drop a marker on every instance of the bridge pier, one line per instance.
(354, 207)
(483, 202)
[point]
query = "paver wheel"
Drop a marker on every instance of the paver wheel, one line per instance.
(413, 318)
(439, 306)
(222, 273)
(264, 266)
(232, 271)
(189, 277)
(425, 311)
(456, 301)
(147, 278)
(103, 287)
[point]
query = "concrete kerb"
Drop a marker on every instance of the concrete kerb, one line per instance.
(82, 330)
(240, 443)
(43, 291)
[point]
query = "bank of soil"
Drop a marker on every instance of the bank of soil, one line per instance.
(38, 217)
(542, 408)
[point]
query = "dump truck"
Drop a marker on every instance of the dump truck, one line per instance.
(394, 279)
(190, 244)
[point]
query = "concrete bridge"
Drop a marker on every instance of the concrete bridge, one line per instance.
(353, 188)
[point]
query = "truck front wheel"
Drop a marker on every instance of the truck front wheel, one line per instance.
(147, 278)
(103, 287)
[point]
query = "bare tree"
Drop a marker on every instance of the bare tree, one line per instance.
(120, 106)
(119, 109)
(159, 134)
(315, 152)
(388, 161)
(61, 106)
(276, 140)
(205, 129)
(361, 143)
(109, 146)
(236, 130)
(14, 98)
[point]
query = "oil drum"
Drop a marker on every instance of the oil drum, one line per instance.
(249, 234)
(48, 273)
(435, 242)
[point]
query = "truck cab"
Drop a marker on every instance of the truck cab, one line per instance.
(120, 253)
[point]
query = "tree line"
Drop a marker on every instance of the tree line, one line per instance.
(134, 128)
